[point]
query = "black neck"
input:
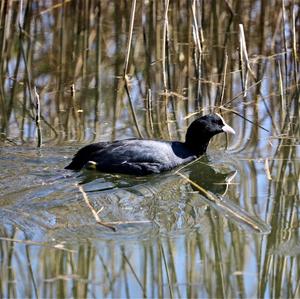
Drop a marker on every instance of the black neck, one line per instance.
(197, 148)
(197, 136)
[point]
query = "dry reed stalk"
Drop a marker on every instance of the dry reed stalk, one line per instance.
(3, 108)
(223, 81)
(75, 109)
(174, 276)
(125, 75)
(32, 95)
(284, 42)
(159, 274)
(227, 104)
(126, 222)
(281, 92)
(245, 118)
(196, 28)
(167, 269)
(197, 54)
(274, 124)
(243, 60)
(133, 271)
(166, 79)
(95, 213)
(236, 212)
(149, 110)
(29, 265)
(4, 121)
(267, 169)
(38, 117)
(294, 42)
(164, 42)
(98, 68)
(62, 58)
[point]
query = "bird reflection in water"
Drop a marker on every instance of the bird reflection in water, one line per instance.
(202, 185)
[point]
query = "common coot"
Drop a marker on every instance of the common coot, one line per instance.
(142, 157)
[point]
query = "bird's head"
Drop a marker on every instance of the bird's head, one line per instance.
(202, 129)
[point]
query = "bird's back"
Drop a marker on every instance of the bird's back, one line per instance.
(133, 156)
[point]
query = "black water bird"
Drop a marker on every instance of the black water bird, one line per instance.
(142, 157)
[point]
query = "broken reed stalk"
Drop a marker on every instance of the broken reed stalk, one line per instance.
(207, 194)
(38, 117)
(236, 212)
(95, 213)
(125, 76)
(267, 169)
(75, 110)
(73, 98)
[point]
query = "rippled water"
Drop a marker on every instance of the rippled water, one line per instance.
(170, 237)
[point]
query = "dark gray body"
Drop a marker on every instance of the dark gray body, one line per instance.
(141, 157)
(133, 156)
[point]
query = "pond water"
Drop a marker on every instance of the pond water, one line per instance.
(226, 225)
(170, 239)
